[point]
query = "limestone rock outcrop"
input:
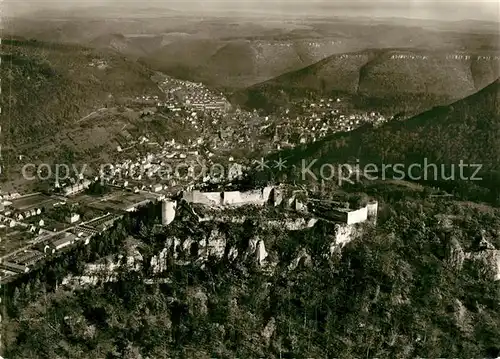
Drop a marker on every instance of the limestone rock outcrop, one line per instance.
(261, 253)
(216, 244)
(159, 262)
(302, 258)
(455, 255)
(488, 261)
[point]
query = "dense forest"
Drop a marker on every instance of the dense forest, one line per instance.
(400, 290)
(52, 85)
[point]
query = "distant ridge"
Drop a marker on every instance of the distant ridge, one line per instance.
(467, 130)
(390, 76)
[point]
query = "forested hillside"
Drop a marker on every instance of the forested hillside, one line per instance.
(47, 87)
(466, 132)
(388, 80)
(406, 289)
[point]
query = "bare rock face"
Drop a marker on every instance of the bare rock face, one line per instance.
(134, 259)
(261, 253)
(461, 316)
(487, 258)
(269, 330)
(233, 254)
(302, 258)
(484, 243)
(159, 262)
(216, 244)
(173, 244)
(252, 246)
(489, 262)
(455, 255)
(344, 233)
(187, 245)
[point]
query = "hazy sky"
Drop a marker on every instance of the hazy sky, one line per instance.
(423, 9)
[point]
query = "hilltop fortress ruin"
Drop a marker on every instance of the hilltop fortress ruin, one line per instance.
(272, 196)
(268, 208)
(347, 220)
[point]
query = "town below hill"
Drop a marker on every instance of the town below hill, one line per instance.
(180, 226)
(169, 119)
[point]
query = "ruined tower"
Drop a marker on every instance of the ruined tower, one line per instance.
(372, 208)
(168, 210)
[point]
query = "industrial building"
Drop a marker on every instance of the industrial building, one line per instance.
(62, 240)
(16, 268)
(27, 258)
(76, 188)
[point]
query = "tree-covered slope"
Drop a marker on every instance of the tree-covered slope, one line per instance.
(392, 79)
(402, 290)
(47, 86)
(468, 130)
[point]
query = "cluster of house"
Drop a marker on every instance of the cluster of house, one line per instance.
(206, 103)
(27, 214)
(16, 218)
(24, 260)
(7, 222)
(488, 58)
(164, 165)
(469, 57)
(317, 119)
(148, 99)
(175, 164)
(221, 130)
(51, 242)
(21, 263)
(194, 96)
(100, 64)
(9, 196)
(217, 131)
(75, 188)
(214, 133)
(207, 116)
(42, 242)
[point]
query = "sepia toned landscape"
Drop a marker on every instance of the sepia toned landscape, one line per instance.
(250, 179)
